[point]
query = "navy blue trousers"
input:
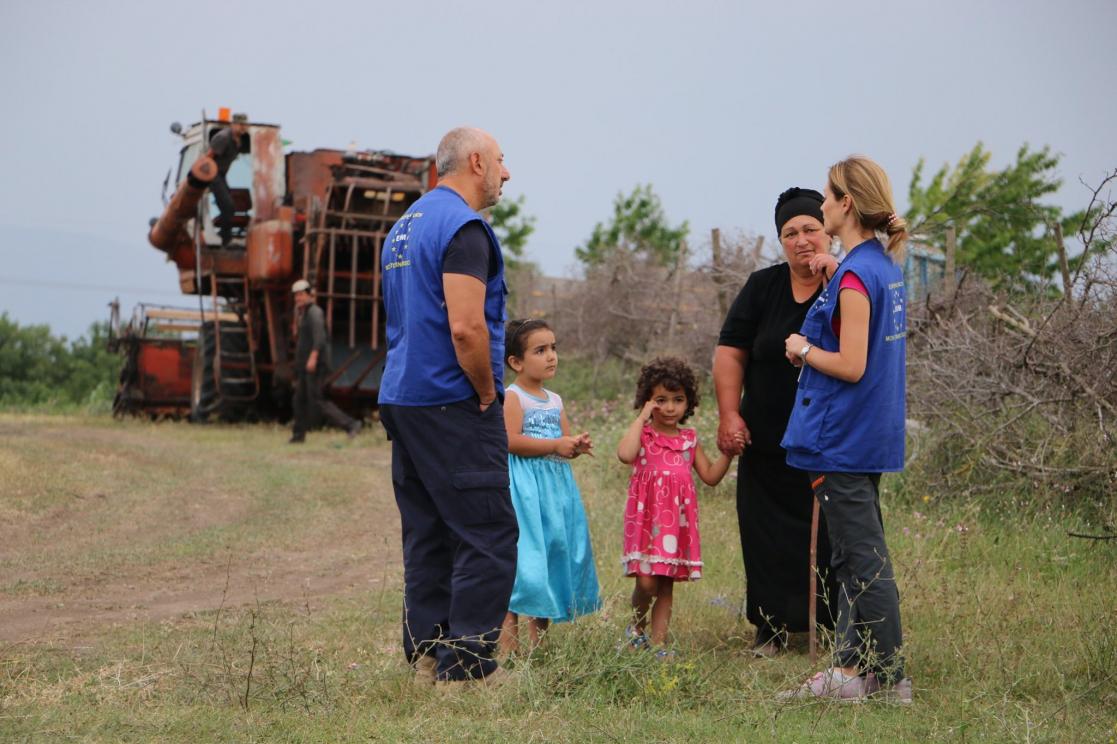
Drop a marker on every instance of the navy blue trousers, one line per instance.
(450, 474)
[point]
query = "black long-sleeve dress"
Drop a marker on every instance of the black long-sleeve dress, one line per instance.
(773, 499)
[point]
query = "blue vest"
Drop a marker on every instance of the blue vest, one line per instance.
(845, 427)
(422, 368)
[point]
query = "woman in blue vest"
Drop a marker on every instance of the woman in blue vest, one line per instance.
(847, 426)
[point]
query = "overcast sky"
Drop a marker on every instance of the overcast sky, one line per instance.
(720, 105)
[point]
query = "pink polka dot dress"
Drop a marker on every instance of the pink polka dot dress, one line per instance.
(661, 515)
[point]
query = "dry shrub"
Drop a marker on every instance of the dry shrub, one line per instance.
(631, 309)
(1018, 390)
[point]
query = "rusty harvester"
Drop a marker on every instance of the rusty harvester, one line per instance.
(321, 216)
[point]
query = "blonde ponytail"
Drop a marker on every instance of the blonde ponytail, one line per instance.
(868, 186)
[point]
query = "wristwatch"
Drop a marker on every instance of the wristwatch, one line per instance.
(804, 351)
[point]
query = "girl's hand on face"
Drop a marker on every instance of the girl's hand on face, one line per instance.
(649, 407)
(791, 348)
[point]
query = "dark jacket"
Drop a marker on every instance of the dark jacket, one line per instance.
(312, 336)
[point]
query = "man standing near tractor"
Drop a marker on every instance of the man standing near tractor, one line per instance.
(441, 401)
(312, 365)
(224, 148)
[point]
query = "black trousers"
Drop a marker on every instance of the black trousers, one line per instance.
(220, 190)
(450, 474)
(867, 634)
(774, 505)
(310, 406)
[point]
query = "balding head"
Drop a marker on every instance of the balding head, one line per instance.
(470, 162)
(456, 147)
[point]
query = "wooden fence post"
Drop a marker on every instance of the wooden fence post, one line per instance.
(1064, 267)
(680, 267)
(948, 273)
(719, 272)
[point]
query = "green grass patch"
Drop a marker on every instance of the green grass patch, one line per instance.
(1007, 628)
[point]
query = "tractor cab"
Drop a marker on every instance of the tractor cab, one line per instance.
(256, 179)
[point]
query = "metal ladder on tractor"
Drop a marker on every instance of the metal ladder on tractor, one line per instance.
(234, 367)
(227, 350)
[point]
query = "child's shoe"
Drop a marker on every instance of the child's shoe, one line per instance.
(634, 640)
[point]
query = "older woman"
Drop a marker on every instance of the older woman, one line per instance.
(774, 500)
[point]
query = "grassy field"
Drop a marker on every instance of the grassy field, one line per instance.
(166, 582)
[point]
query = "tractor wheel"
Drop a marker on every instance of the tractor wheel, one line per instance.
(203, 388)
(225, 399)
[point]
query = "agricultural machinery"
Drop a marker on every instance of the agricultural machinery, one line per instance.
(320, 215)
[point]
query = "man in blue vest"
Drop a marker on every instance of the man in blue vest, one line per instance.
(441, 402)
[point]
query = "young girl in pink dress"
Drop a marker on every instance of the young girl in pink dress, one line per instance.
(661, 540)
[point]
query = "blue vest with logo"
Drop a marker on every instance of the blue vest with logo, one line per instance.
(846, 427)
(421, 368)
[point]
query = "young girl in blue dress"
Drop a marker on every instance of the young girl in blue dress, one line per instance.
(555, 575)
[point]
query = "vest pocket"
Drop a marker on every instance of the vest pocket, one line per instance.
(809, 419)
(812, 326)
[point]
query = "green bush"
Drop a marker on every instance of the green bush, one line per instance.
(580, 379)
(40, 370)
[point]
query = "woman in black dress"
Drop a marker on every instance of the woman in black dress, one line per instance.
(774, 500)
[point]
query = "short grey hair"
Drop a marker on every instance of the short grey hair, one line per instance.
(456, 146)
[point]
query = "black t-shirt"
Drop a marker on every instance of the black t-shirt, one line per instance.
(470, 252)
(225, 148)
(764, 314)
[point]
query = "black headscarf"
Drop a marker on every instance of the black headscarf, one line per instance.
(796, 201)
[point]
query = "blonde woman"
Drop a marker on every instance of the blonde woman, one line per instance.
(847, 426)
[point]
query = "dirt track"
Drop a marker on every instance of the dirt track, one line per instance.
(112, 523)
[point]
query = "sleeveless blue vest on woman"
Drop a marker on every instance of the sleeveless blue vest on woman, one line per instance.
(845, 427)
(422, 368)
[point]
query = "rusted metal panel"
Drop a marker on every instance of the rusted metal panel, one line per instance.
(228, 263)
(268, 177)
(309, 174)
(270, 251)
(164, 367)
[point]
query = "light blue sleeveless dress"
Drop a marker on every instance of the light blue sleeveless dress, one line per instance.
(555, 574)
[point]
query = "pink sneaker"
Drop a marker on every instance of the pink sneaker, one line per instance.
(897, 693)
(830, 684)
